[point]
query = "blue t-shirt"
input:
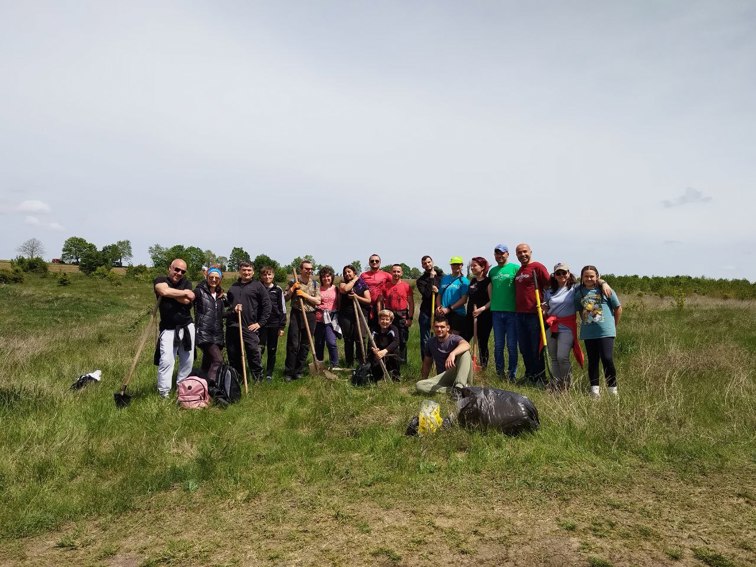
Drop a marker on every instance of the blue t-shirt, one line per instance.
(452, 289)
(561, 303)
(596, 313)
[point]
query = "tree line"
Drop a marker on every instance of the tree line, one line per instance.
(88, 257)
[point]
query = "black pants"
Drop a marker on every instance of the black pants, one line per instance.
(392, 366)
(212, 359)
(269, 342)
(400, 320)
(485, 324)
(601, 349)
(458, 324)
(351, 339)
(297, 343)
(251, 347)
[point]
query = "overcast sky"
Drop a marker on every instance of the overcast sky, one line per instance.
(620, 134)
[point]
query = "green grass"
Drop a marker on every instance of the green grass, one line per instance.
(302, 472)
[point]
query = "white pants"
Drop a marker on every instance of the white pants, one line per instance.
(168, 353)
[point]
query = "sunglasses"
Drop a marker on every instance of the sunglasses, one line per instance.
(375, 261)
(179, 271)
(560, 273)
(307, 269)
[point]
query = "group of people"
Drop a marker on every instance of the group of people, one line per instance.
(373, 313)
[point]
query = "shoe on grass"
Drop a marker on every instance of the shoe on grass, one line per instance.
(595, 392)
(613, 391)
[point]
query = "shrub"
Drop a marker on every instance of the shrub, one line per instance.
(101, 272)
(8, 276)
(63, 279)
(136, 272)
(114, 278)
(36, 265)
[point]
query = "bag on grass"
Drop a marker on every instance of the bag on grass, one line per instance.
(429, 417)
(363, 375)
(193, 393)
(509, 412)
(225, 388)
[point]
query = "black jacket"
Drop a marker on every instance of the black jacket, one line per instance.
(277, 319)
(255, 303)
(208, 315)
(424, 284)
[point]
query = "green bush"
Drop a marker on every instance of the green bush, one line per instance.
(8, 276)
(35, 265)
(114, 278)
(101, 272)
(63, 279)
(137, 272)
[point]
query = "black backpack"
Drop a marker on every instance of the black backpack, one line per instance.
(226, 388)
(363, 375)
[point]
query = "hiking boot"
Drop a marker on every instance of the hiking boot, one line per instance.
(595, 392)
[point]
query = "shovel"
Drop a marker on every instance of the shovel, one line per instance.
(359, 330)
(544, 345)
(122, 399)
(243, 354)
(475, 347)
(386, 375)
(316, 366)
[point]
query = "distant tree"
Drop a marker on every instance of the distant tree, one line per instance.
(32, 248)
(357, 266)
(157, 255)
(110, 255)
(237, 255)
(414, 273)
(92, 259)
(195, 259)
(124, 249)
(222, 262)
(74, 248)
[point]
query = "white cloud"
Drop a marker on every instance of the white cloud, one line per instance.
(689, 196)
(36, 221)
(33, 207)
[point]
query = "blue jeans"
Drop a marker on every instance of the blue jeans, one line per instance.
(505, 331)
(529, 337)
(423, 321)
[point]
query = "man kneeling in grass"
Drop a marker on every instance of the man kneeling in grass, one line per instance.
(451, 353)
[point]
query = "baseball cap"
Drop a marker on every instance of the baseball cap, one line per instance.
(456, 260)
(501, 248)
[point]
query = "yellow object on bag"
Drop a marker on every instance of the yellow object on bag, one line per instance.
(429, 417)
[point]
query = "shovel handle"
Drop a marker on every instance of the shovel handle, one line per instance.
(140, 348)
(243, 352)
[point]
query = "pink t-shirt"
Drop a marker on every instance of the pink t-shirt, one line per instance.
(328, 298)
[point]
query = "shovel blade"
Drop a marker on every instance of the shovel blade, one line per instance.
(122, 399)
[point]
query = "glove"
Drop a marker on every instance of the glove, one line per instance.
(300, 293)
(294, 288)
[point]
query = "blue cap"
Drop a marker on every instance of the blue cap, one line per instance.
(501, 248)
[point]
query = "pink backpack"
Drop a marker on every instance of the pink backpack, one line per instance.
(192, 393)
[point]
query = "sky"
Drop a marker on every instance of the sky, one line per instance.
(620, 134)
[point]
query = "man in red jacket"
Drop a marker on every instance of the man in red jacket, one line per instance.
(398, 298)
(530, 275)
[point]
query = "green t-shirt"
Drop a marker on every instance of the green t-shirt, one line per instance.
(502, 287)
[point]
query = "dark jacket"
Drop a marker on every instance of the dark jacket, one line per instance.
(424, 285)
(255, 303)
(208, 315)
(277, 319)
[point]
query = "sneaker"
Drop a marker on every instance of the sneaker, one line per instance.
(613, 391)
(269, 378)
(336, 368)
(165, 395)
(595, 392)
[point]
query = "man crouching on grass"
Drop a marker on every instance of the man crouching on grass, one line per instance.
(176, 326)
(451, 353)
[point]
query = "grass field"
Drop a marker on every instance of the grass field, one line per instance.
(321, 473)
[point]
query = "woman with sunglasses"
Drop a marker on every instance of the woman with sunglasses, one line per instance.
(561, 338)
(208, 312)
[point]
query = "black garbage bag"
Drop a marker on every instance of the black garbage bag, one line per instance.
(509, 412)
